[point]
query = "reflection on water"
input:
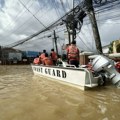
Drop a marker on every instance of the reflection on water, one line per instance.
(24, 96)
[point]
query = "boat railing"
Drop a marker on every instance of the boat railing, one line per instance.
(65, 64)
(92, 81)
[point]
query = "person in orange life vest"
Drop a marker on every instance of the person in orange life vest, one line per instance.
(40, 62)
(36, 60)
(53, 56)
(67, 46)
(73, 54)
(47, 60)
(42, 56)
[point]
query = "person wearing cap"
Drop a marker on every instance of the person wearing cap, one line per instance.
(73, 54)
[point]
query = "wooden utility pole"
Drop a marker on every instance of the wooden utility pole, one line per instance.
(69, 38)
(0, 53)
(91, 14)
(55, 38)
(73, 29)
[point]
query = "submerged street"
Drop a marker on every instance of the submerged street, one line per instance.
(24, 96)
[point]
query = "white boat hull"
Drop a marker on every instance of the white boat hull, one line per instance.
(78, 77)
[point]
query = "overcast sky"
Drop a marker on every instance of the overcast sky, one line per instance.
(20, 19)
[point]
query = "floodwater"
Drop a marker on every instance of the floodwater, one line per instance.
(24, 96)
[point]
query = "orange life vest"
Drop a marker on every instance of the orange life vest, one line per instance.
(47, 61)
(36, 61)
(73, 52)
(53, 55)
(42, 56)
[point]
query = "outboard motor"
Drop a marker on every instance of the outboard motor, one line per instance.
(102, 63)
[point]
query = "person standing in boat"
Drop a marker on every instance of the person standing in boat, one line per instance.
(73, 54)
(40, 62)
(42, 56)
(53, 56)
(47, 60)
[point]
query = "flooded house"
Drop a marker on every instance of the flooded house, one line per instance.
(10, 56)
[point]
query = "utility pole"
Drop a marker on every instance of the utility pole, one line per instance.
(55, 38)
(0, 52)
(0, 55)
(73, 29)
(69, 38)
(91, 14)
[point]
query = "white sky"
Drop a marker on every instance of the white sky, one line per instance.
(17, 23)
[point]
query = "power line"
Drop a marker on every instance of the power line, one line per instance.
(33, 14)
(63, 5)
(18, 14)
(84, 43)
(68, 4)
(49, 27)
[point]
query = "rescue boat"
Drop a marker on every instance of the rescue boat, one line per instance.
(81, 77)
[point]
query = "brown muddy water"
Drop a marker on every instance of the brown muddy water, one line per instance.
(24, 96)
